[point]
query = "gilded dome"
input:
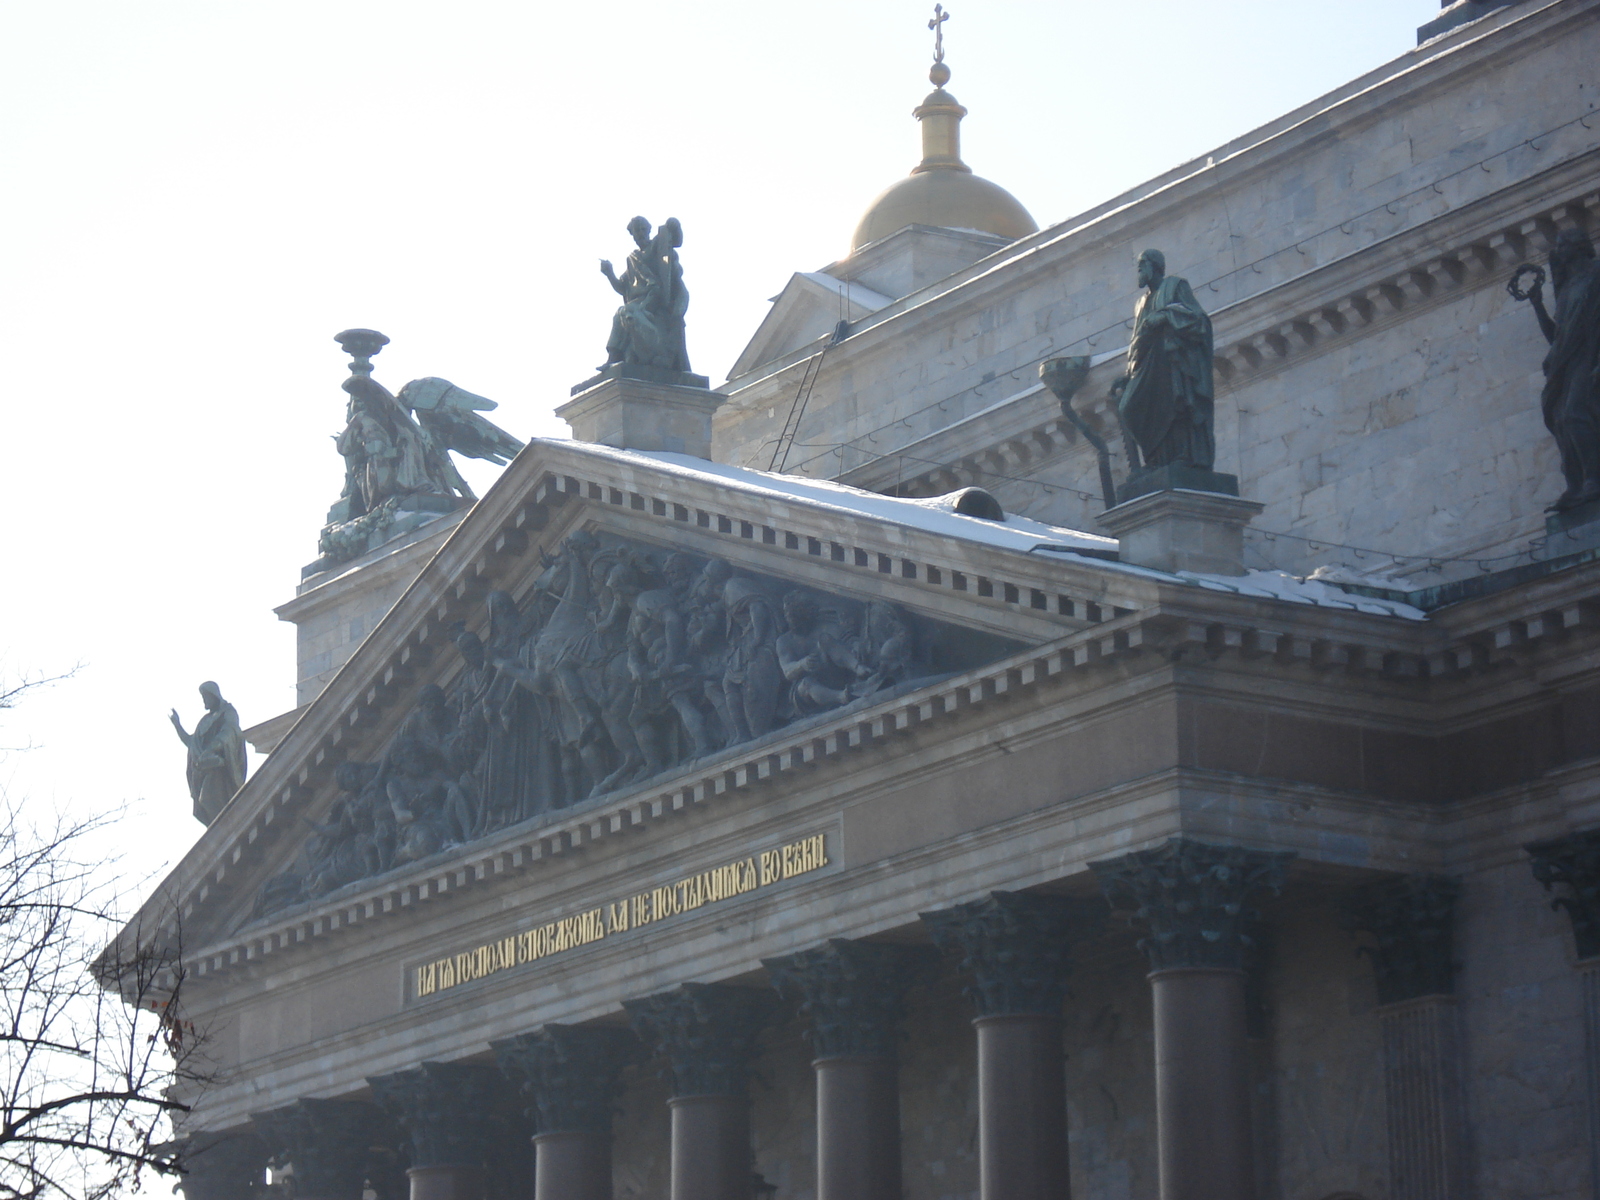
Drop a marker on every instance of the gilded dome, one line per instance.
(947, 199)
(942, 190)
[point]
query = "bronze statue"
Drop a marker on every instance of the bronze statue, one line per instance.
(1165, 397)
(1571, 397)
(216, 754)
(397, 451)
(648, 329)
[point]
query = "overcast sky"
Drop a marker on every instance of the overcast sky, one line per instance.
(199, 194)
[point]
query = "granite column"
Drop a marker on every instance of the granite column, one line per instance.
(707, 1032)
(330, 1145)
(1570, 866)
(1016, 946)
(1411, 920)
(223, 1166)
(1193, 898)
(854, 993)
(568, 1075)
(451, 1115)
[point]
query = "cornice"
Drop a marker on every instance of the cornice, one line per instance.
(1411, 78)
(1322, 310)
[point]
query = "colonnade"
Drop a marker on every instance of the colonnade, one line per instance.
(451, 1122)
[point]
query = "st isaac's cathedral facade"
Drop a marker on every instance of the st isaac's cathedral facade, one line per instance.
(1001, 743)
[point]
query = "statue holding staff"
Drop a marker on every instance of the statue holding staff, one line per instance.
(1571, 397)
(1165, 399)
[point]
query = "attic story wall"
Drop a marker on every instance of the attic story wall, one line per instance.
(1422, 437)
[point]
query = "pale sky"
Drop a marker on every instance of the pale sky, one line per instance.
(200, 193)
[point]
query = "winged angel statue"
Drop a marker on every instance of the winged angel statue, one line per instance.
(397, 450)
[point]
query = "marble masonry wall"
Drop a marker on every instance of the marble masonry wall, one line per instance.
(1418, 434)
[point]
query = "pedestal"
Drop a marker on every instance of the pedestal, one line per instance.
(1022, 1108)
(1570, 532)
(1459, 13)
(710, 1147)
(858, 1129)
(1182, 530)
(1202, 1085)
(643, 414)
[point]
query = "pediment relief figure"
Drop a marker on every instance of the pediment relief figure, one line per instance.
(620, 662)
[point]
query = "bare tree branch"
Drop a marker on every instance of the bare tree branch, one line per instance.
(91, 1041)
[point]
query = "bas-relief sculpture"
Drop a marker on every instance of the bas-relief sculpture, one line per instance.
(216, 754)
(1571, 397)
(622, 662)
(396, 448)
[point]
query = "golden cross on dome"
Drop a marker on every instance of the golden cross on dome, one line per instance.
(937, 25)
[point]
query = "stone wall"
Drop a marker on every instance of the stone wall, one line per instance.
(1421, 435)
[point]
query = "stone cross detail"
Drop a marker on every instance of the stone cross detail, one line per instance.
(937, 25)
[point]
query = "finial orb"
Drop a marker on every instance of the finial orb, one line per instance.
(938, 74)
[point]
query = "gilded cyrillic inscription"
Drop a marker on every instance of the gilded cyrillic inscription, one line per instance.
(708, 887)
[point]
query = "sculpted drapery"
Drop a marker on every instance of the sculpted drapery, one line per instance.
(1166, 399)
(619, 663)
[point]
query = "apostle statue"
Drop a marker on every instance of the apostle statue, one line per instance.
(648, 329)
(1571, 398)
(1165, 396)
(216, 754)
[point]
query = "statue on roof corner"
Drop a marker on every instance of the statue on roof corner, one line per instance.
(396, 448)
(1571, 397)
(216, 765)
(1165, 398)
(648, 329)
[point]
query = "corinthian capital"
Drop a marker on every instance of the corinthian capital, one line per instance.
(568, 1074)
(1194, 898)
(854, 993)
(451, 1113)
(707, 1032)
(1412, 921)
(332, 1144)
(1017, 946)
(1570, 867)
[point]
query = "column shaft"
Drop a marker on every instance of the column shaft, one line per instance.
(446, 1183)
(1202, 1085)
(1422, 1098)
(1022, 1108)
(572, 1166)
(858, 1128)
(1589, 976)
(710, 1147)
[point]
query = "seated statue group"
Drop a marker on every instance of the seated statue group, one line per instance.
(621, 663)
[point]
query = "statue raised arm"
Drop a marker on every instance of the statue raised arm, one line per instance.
(216, 766)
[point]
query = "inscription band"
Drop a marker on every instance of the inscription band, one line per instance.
(632, 912)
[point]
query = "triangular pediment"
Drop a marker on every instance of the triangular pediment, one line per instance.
(810, 306)
(640, 616)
